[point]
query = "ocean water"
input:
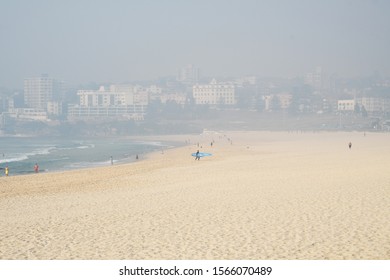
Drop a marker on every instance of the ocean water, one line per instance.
(59, 154)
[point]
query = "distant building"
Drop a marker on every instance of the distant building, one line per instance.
(284, 100)
(277, 101)
(165, 95)
(43, 94)
(54, 108)
(28, 114)
(4, 104)
(346, 105)
(38, 91)
(153, 89)
(118, 101)
(374, 105)
(214, 93)
(175, 97)
(315, 79)
(267, 102)
(188, 75)
(2, 122)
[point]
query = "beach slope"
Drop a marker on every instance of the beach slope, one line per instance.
(261, 195)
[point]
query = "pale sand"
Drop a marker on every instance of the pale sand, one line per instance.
(267, 196)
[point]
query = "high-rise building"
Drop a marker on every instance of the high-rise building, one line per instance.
(38, 91)
(188, 75)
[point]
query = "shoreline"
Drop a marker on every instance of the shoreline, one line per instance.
(261, 195)
(127, 157)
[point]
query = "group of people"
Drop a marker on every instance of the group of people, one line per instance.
(6, 169)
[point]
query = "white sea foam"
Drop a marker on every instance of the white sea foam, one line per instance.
(24, 156)
(82, 146)
(13, 159)
(89, 146)
(42, 151)
(150, 143)
(85, 164)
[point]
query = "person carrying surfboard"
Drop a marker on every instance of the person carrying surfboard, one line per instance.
(197, 157)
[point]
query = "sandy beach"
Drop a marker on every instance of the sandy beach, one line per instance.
(261, 195)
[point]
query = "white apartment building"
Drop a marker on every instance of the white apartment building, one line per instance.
(214, 94)
(118, 101)
(54, 108)
(346, 105)
(43, 93)
(28, 114)
(374, 105)
(38, 91)
(282, 99)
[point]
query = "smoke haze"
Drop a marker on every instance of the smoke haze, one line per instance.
(121, 41)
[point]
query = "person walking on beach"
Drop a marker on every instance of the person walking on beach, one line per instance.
(112, 160)
(6, 170)
(350, 145)
(36, 168)
(197, 157)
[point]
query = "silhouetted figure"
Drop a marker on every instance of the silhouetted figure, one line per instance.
(197, 157)
(350, 145)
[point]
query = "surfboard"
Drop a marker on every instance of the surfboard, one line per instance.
(201, 154)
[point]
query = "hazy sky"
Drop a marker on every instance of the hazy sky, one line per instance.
(81, 41)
